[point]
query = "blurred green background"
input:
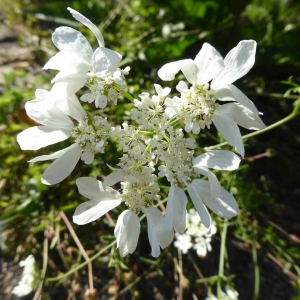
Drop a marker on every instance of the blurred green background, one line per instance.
(262, 244)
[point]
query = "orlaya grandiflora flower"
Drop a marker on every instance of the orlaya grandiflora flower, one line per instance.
(197, 106)
(56, 126)
(203, 193)
(103, 199)
(79, 65)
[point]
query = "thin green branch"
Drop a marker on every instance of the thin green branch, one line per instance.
(256, 271)
(83, 264)
(222, 256)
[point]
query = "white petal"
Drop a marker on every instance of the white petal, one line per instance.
(67, 61)
(38, 137)
(173, 106)
(105, 60)
(113, 178)
(188, 127)
(127, 232)
(88, 97)
(90, 211)
(72, 76)
(168, 71)
(55, 118)
(158, 235)
(101, 101)
(176, 209)
(242, 115)
(209, 62)
(225, 206)
(88, 157)
(62, 90)
(230, 131)
(63, 166)
(215, 185)
(229, 92)
(53, 155)
(181, 87)
(237, 63)
(79, 17)
(72, 107)
(92, 188)
(69, 39)
(190, 70)
(196, 128)
(218, 160)
(200, 207)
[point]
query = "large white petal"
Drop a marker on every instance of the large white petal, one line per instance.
(113, 178)
(85, 21)
(127, 232)
(158, 235)
(69, 39)
(230, 131)
(54, 118)
(105, 60)
(94, 189)
(53, 155)
(225, 206)
(90, 211)
(200, 207)
(190, 70)
(229, 92)
(63, 166)
(168, 71)
(218, 160)
(63, 90)
(38, 137)
(237, 63)
(72, 107)
(176, 209)
(242, 115)
(68, 61)
(215, 185)
(209, 62)
(70, 76)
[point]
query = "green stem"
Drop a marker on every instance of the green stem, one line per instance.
(222, 256)
(83, 264)
(127, 95)
(256, 271)
(294, 114)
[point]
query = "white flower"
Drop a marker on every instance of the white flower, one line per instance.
(79, 65)
(127, 230)
(229, 294)
(57, 126)
(197, 104)
(177, 200)
(26, 284)
(224, 206)
(195, 236)
(218, 160)
(183, 242)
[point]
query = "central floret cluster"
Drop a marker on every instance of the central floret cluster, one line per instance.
(105, 88)
(195, 107)
(91, 135)
(154, 144)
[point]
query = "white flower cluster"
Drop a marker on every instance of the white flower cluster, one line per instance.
(27, 283)
(195, 236)
(229, 294)
(155, 145)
